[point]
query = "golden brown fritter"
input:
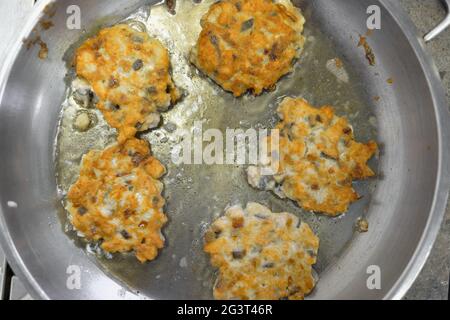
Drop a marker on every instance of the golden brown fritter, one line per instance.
(261, 254)
(117, 199)
(249, 44)
(318, 159)
(129, 72)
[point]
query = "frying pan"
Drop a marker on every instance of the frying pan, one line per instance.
(404, 204)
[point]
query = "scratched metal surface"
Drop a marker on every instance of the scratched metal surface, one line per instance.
(197, 194)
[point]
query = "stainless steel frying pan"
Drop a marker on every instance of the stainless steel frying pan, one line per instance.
(404, 205)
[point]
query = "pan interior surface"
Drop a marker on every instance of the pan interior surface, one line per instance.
(198, 194)
(402, 121)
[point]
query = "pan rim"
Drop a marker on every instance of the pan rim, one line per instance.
(437, 211)
(441, 192)
(13, 257)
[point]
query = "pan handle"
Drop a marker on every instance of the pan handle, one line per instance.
(442, 26)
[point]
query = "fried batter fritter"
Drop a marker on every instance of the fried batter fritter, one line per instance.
(129, 72)
(249, 44)
(117, 199)
(261, 254)
(318, 159)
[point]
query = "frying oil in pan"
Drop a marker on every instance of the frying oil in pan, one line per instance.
(198, 194)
